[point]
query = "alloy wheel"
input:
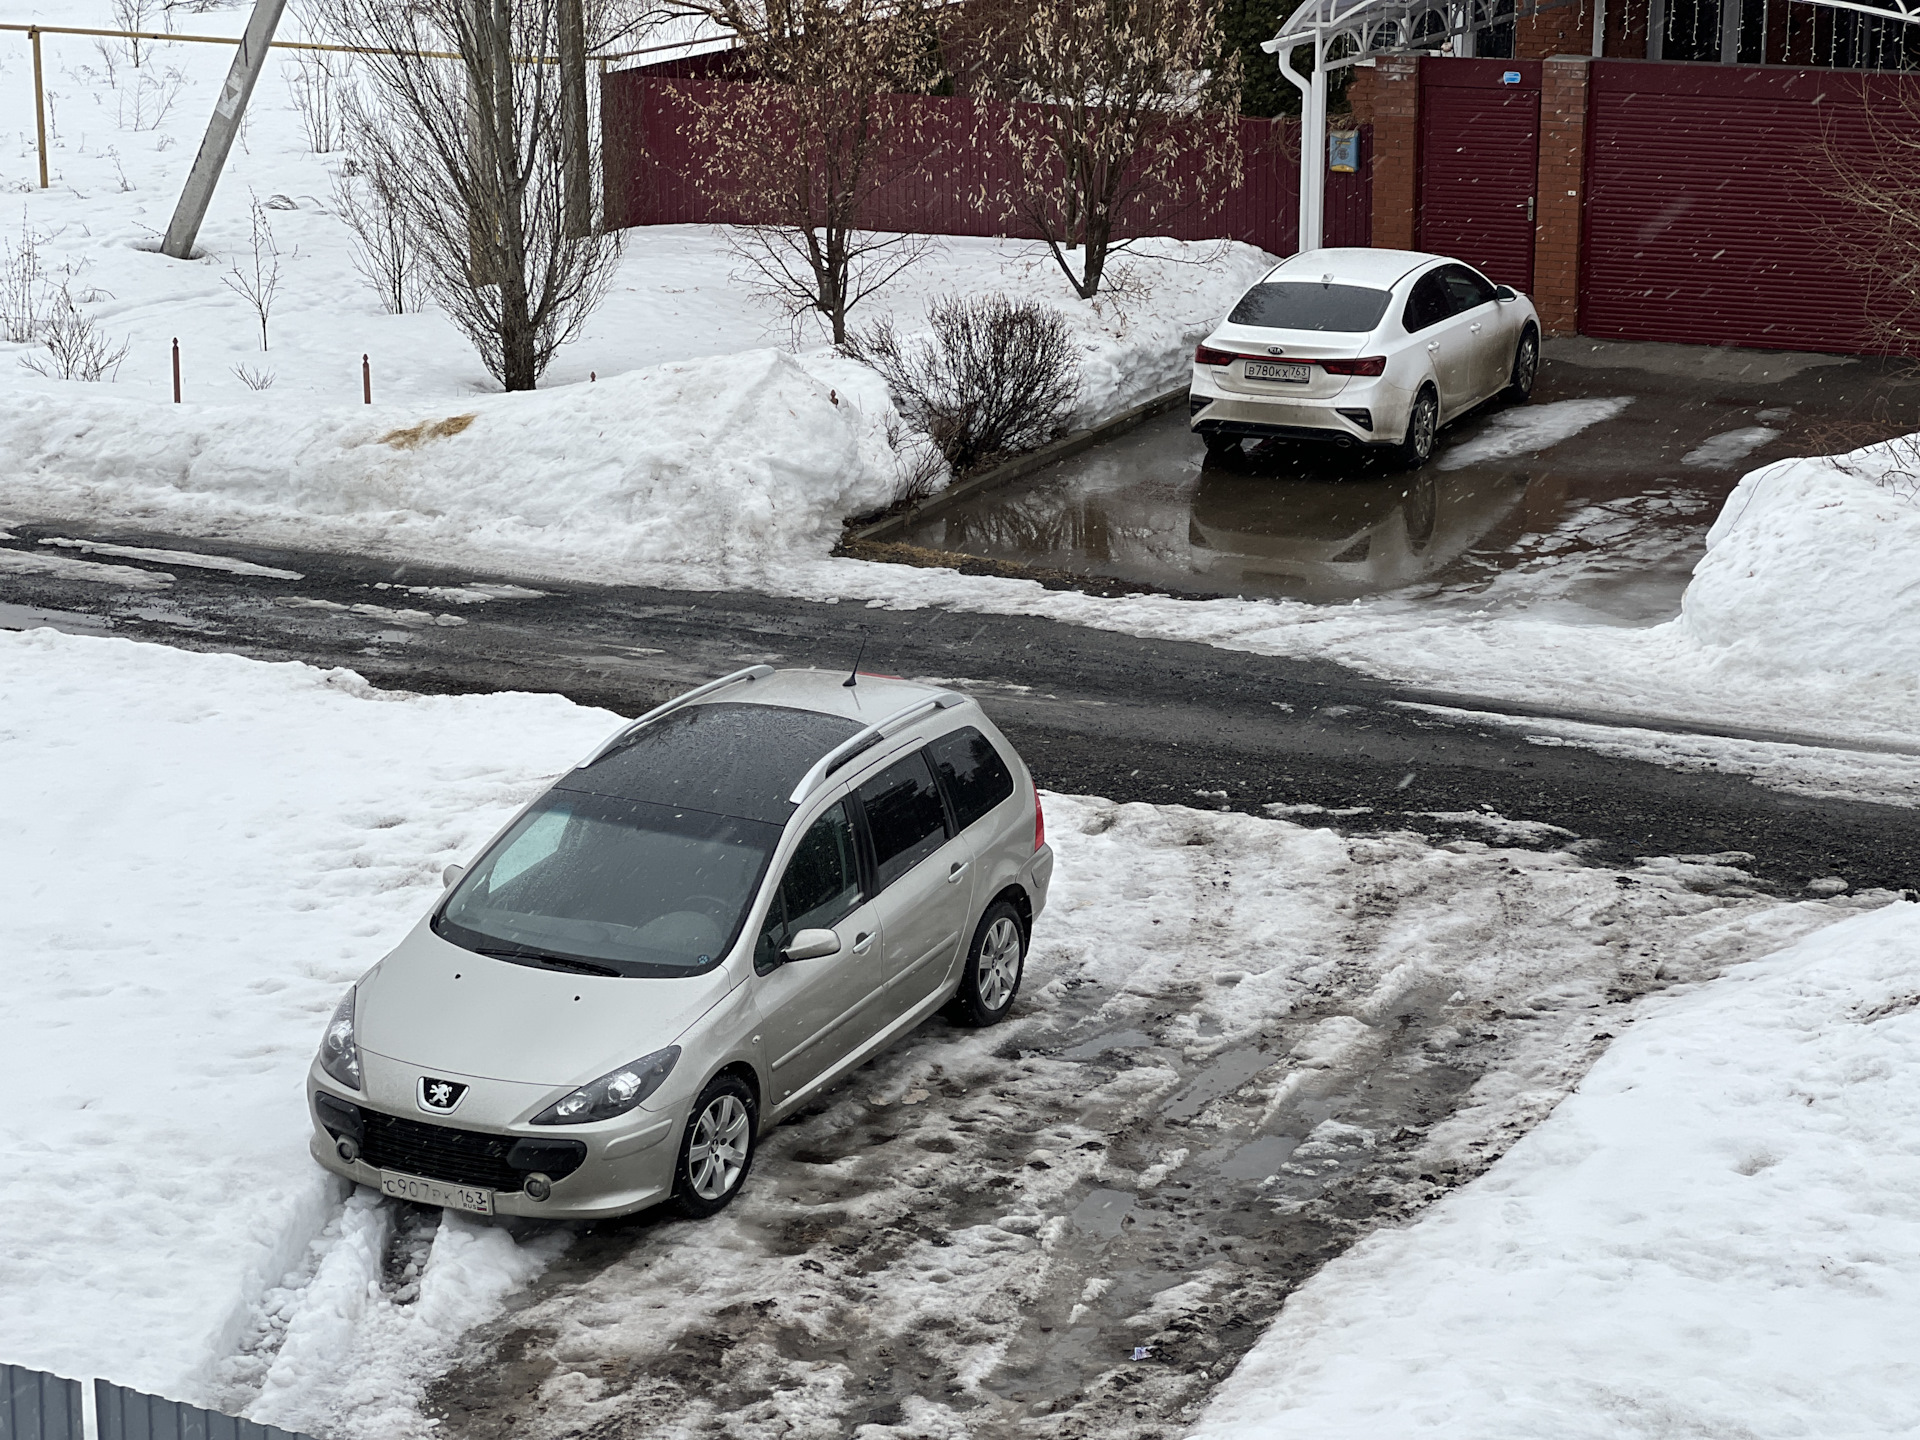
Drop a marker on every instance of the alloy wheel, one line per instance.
(1425, 414)
(999, 963)
(1525, 366)
(718, 1155)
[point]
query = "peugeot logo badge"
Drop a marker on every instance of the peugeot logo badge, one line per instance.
(440, 1097)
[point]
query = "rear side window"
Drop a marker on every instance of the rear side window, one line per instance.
(1429, 304)
(1307, 305)
(904, 817)
(977, 779)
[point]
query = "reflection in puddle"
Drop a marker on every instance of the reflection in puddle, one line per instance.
(1580, 530)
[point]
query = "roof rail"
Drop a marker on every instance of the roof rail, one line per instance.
(866, 739)
(699, 692)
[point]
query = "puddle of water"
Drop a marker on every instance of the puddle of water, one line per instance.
(1103, 1212)
(1261, 1158)
(29, 617)
(1224, 1076)
(1601, 522)
(1120, 1040)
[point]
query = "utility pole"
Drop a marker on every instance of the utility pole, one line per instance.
(228, 112)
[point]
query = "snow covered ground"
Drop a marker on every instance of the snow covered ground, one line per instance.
(1717, 1234)
(204, 850)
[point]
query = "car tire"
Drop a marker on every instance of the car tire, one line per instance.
(717, 1147)
(1526, 366)
(1218, 444)
(1423, 429)
(996, 962)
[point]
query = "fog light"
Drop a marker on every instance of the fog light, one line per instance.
(537, 1186)
(347, 1148)
(1362, 418)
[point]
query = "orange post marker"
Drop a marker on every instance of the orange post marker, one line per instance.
(366, 380)
(176, 370)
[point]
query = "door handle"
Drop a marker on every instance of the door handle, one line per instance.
(863, 943)
(1475, 327)
(956, 870)
(1433, 347)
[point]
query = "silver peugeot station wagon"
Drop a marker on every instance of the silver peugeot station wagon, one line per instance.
(729, 905)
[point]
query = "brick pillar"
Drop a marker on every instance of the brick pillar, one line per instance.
(1560, 191)
(1565, 29)
(1394, 99)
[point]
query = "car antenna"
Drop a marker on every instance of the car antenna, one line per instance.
(853, 676)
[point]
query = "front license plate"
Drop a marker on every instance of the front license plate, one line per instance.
(434, 1192)
(1269, 370)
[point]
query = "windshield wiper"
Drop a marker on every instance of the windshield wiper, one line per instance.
(549, 960)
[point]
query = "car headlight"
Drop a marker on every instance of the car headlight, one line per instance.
(339, 1055)
(614, 1093)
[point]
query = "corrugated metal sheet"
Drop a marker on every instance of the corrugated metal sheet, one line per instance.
(132, 1415)
(1702, 197)
(1479, 155)
(37, 1406)
(954, 182)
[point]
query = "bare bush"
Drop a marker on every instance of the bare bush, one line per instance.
(146, 101)
(1120, 115)
(76, 347)
(384, 251)
(132, 15)
(1870, 172)
(994, 378)
(315, 81)
(26, 292)
(805, 149)
(253, 377)
(255, 277)
(473, 156)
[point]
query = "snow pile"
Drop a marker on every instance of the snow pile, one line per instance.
(201, 853)
(1718, 1233)
(701, 464)
(1812, 578)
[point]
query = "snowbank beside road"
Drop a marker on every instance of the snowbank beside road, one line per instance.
(1718, 1233)
(702, 467)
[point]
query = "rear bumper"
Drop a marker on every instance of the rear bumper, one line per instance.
(1364, 412)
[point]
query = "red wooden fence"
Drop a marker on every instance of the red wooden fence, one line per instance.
(957, 184)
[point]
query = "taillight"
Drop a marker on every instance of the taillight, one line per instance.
(1204, 356)
(1039, 822)
(1372, 365)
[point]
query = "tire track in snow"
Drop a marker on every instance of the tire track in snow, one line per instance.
(345, 1346)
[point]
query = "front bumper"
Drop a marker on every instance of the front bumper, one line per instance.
(611, 1169)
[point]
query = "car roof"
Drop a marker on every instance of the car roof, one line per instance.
(742, 750)
(1353, 265)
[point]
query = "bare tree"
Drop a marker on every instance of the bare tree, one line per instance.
(471, 155)
(1869, 170)
(256, 280)
(1120, 114)
(805, 149)
(384, 251)
(316, 79)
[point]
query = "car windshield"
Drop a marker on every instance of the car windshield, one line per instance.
(1311, 305)
(591, 884)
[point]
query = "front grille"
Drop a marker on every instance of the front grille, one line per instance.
(439, 1152)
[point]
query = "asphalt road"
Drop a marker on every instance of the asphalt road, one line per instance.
(1093, 712)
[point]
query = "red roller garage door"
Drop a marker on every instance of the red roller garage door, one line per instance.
(1479, 153)
(1703, 206)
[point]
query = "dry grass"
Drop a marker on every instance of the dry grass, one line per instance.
(414, 436)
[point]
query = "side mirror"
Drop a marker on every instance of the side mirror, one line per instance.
(450, 876)
(1504, 293)
(811, 945)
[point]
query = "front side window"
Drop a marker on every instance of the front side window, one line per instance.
(821, 884)
(1311, 305)
(1468, 289)
(904, 817)
(977, 779)
(617, 887)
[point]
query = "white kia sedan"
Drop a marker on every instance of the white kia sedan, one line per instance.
(1362, 347)
(733, 903)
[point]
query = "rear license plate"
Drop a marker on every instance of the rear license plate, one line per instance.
(433, 1192)
(1269, 370)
